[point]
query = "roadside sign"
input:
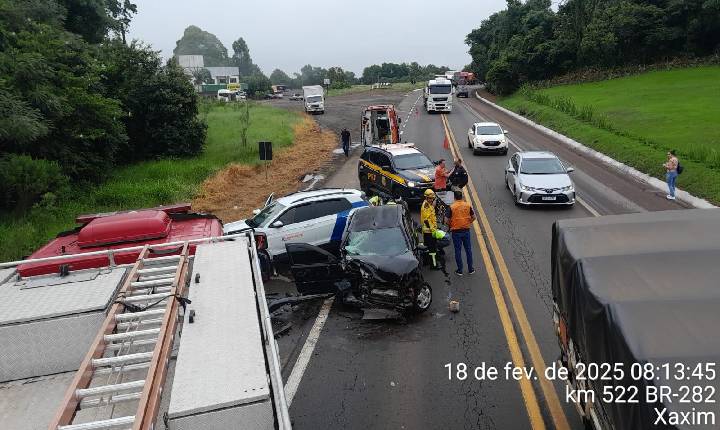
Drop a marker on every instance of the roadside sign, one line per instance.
(326, 81)
(265, 149)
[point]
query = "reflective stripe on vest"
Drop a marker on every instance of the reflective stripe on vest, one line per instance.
(461, 217)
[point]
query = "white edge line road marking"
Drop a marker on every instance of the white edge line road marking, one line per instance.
(587, 206)
(303, 359)
(584, 204)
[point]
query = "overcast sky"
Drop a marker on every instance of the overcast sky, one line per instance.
(288, 34)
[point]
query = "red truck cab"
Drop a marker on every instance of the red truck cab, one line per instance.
(118, 230)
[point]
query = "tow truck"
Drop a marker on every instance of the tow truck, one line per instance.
(379, 125)
(91, 323)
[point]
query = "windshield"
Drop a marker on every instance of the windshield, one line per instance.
(440, 89)
(386, 241)
(488, 130)
(313, 99)
(412, 161)
(541, 166)
(267, 213)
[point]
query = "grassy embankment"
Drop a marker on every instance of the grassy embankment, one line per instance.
(152, 183)
(401, 86)
(637, 119)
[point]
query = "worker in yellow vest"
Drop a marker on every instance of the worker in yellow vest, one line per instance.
(461, 217)
(428, 220)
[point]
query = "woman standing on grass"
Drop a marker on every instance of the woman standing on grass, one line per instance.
(671, 167)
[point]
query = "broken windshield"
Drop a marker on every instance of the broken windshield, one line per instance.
(385, 241)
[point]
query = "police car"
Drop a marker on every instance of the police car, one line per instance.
(316, 217)
(398, 171)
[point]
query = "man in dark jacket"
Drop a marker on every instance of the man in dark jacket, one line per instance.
(345, 136)
(459, 176)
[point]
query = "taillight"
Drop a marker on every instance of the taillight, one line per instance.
(261, 241)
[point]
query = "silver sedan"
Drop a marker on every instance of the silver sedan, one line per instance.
(538, 177)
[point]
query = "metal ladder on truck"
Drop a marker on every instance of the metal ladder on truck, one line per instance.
(120, 381)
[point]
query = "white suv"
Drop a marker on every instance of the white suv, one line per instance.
(487, 137)
(315, 217)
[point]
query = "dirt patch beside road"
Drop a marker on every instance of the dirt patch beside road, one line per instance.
(235, 191)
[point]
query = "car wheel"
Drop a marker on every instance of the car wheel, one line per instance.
(505, 152)
(516, 194)
(469, 143)
(423, 298)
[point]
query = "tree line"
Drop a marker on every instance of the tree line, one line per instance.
(530, 41)
(339, 78)
(76, 101)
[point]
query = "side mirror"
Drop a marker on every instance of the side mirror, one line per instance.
(511, 169)
(277, 224)
(506, 132)
(570, 169)
(256, 211)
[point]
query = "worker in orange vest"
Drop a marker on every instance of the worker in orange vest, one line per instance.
(461, 217)
(441, 175)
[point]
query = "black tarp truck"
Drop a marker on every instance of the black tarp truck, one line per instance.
(637, 314)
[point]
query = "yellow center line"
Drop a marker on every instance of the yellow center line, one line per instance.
(556, 411)
(528, 393)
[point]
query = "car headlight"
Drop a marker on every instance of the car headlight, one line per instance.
(568, 188)
(411, 184)
(526, 188)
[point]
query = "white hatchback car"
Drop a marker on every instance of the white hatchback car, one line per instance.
(316, 217)
(487, 137)
(539, 177)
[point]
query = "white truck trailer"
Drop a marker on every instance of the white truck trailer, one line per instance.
(438, 95)
(314, 99)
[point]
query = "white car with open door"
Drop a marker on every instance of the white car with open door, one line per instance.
(316, 217)
(538, 177)
(487, 137)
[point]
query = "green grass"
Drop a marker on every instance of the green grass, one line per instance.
(637, 119)
(151, 183)
(401, 86)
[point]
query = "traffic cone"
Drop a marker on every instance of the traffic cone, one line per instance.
(446, 144)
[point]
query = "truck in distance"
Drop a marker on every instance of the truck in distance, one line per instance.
(438, 95)
(314, 98)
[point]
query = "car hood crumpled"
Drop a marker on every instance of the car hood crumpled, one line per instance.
(388, 269)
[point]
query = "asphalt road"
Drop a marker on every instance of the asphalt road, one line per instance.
(390, 374)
